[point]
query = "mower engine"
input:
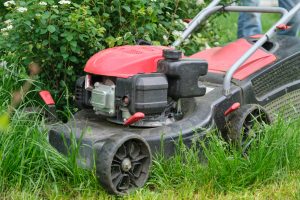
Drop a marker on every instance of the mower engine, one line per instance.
(145, 99)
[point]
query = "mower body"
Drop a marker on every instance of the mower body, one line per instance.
(179, 96)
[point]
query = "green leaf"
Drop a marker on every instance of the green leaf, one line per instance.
(45, 42)
(51, 28)
(43, 31)
(73, 59)
(73, 44)
(83, 37)
(127, 8)
(63, 49)
(69, 37)
(65, 56)
(110, 41)
(106, 15)
(28, 23)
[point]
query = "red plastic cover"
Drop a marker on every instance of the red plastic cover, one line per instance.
(47, 98)
(125, 61)
(220, 59)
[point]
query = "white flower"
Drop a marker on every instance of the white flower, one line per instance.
(9, 3)
(177, 33)
(9, 27)
(5, 33)
(3, 64)
(165, 38)
(42, 3)
(8, 22)
(54, 6)
(187, 41)
(21, 9)
(64, 2)
(200, 2)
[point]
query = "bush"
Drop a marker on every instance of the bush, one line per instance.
(58, 37)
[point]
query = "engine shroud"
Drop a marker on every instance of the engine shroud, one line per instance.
(147, 93)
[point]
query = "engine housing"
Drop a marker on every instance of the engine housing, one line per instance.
(147, 93)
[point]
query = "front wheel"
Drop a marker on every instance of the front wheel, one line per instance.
(123, 163)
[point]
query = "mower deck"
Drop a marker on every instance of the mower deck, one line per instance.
(92, 130)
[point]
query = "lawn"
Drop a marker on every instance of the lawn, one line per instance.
(31, 169)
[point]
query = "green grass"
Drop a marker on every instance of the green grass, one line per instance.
(227, 25)
(31, 169)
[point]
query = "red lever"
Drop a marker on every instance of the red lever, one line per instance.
(134, 118)
(232, 108)
(257, 36)
(47, 98)
(283, 27)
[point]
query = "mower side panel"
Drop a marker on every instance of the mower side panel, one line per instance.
(277, 88)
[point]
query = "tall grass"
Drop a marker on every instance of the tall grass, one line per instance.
(27, 161)
(226, 168)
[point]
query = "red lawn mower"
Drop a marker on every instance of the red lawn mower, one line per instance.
(136, 98)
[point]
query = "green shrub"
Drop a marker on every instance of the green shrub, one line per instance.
(59, 38)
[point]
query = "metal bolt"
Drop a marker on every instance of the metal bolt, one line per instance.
(126, 100)
(126, 164)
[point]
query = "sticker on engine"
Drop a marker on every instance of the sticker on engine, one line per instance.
(87, 82)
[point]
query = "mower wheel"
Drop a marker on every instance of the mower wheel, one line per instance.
(123, 163)
(243, 125)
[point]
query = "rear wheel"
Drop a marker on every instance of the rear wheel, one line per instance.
(123, 164)
(244, 125)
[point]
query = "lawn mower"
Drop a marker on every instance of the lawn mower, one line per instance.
(139, 100)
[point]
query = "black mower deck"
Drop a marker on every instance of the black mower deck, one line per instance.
(92, 131)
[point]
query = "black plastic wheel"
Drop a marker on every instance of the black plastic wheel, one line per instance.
(123, 163)
(243, 125)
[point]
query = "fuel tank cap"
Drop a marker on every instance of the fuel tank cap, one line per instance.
(172, 54)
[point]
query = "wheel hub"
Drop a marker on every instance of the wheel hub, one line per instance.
(126, 164)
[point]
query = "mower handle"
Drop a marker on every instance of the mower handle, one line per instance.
(212, 8)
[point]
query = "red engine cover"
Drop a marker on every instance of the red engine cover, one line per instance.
(125, 61)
